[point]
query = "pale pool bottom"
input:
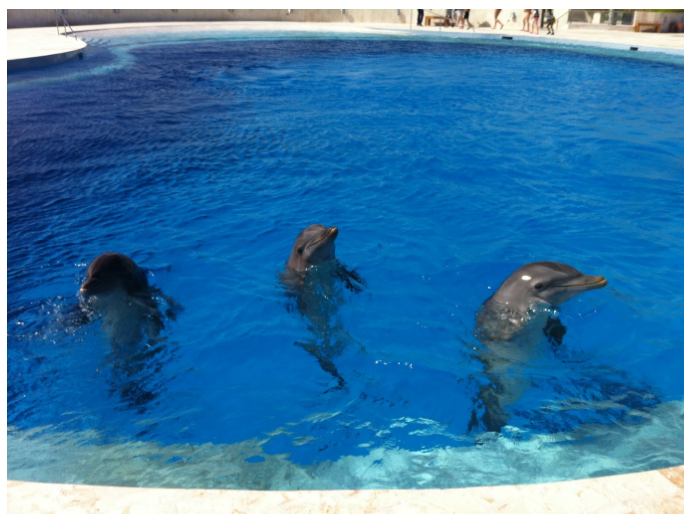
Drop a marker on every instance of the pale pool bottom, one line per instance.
(590, 451)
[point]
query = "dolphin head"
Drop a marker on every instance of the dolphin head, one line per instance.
(313, 246)
(111, 272)
(545, 282)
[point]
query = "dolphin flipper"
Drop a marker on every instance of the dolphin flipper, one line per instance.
(554, 330)
(347, 276)
(174, 306)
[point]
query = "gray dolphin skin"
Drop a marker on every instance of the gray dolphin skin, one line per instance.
(313, 246)
(543, 283)
(117, 288)
(110, 272)
(510, 326)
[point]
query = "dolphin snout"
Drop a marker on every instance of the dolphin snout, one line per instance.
(90, 286)
(333, 232)
(601, 281)
(594, 281)
(589, 282)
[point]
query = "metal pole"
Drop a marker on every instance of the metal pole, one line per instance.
(411, 19)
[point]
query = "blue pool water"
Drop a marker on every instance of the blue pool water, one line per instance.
(444, 164)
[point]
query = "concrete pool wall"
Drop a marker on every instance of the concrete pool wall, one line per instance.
(659, 491)
(654, 492)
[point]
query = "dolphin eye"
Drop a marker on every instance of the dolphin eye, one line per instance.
(539, 286)
(300, 251)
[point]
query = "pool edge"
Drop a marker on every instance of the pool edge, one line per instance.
(40, 46)
(37, 47)
(658, 491)
(41, 61)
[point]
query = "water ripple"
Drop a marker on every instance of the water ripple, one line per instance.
(445, 165)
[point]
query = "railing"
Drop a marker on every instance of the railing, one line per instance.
(567, 14)
(65, 24)
(603, 16)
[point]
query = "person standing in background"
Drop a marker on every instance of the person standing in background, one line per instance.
(497, 11)
(466, 13)
(536, 22)
(549, 20)
(526, 20)
(459, 17)
(421, 15)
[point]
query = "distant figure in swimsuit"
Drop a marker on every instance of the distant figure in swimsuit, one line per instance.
(458, 18)
(526, 20)
(497, 11)
(466, 13)
(536, 22)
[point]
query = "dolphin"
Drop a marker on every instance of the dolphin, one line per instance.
(532, 287)
(510, 324)
(110, 272)
(117, 290)
(310, 277)
(313, 246)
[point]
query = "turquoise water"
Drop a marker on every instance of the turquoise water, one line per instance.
(445, 165)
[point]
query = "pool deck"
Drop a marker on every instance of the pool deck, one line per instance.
(659, 491)
(38, 47)
(654, 492)
(42, 45)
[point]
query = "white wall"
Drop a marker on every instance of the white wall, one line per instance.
(46, 17)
